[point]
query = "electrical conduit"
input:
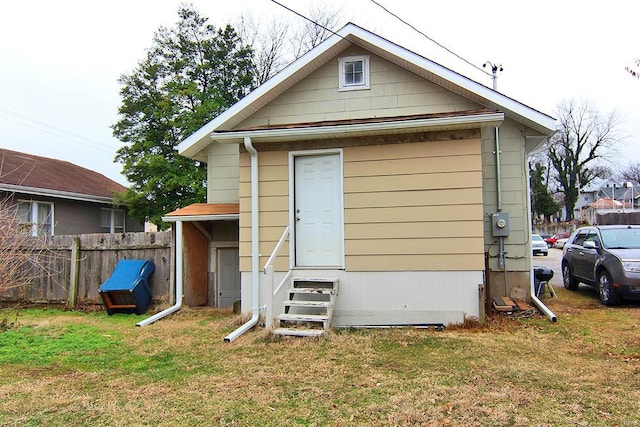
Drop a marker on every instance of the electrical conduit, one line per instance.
(255, 247)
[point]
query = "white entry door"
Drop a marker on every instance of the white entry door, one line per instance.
(228, 276)
(318, 210)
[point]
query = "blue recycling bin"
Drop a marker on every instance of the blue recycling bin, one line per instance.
(127, 290)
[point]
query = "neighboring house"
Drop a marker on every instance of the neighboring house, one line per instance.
(58, 197)
(609, 197)
(620, 191)
(376, 168)
(601, 206)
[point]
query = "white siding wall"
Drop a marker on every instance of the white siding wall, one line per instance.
(391, 298)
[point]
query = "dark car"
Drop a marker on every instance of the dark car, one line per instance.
(607, 257)
(551, 241)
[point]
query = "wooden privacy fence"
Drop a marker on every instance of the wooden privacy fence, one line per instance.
(70, 269)
(618, 218)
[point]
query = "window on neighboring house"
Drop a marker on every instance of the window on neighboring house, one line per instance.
(112, 220)
(354, 72)
(36, 217)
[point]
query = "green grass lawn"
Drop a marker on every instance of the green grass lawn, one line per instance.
(87, 368)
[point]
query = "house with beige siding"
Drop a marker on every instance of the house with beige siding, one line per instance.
(374, 188)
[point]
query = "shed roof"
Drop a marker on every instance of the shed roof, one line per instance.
(205, 212)
(31, 174)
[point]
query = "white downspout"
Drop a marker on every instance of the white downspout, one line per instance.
(255, 247)
(543, 308)
(178, 279)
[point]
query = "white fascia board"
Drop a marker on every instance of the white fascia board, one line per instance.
(196, 218)
(56, 193)
(199, 139)
(547, 123)
(318, 132)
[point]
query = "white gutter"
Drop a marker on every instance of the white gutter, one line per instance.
(178, 279)
(34, 191)
(255, 246)
(194, 218)
(489, 119)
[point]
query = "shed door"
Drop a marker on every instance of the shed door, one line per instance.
(228, 276)
(318, 211)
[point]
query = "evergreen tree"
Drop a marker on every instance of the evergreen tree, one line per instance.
(192, 73)
(542, 202)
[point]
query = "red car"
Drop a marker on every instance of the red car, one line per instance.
(551, 241)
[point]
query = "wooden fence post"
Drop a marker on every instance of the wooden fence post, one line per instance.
(74, 272)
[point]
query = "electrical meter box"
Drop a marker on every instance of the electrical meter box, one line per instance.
(500, 224)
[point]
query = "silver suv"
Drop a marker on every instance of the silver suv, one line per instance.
(607, 257)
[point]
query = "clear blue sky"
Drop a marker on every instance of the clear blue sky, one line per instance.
(60, 60)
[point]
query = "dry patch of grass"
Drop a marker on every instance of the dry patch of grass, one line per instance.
(582, 370)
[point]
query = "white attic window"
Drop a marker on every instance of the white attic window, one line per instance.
(353, 72)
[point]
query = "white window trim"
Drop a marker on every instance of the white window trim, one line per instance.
(33, 221)
(112, 226)
(365, 73)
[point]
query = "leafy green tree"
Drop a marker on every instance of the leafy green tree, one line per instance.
(584, 138)
(192, 73)
(542, 203)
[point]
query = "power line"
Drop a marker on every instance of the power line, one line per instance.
(427, 37)
(49, 129)
(308, 19)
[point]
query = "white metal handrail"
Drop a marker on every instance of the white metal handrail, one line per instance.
(268, 272)
(276, 250)
(282, 282)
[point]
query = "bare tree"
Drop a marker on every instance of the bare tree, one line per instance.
(631, 173)
(586, 136)
(268, 40)
(321, 24)
(279, 41)
(635, 69)
(21, 254)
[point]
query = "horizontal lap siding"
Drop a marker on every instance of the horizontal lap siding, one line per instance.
(513, 164)
(414, 207)
(273, 174)
(407, 207)
(394, 91)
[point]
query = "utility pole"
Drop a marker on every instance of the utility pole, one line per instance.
(579, 201)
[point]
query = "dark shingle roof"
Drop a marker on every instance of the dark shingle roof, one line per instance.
(26, 170)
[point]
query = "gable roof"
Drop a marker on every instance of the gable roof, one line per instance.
(30, 174)
(541, 123)
(606, 203)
